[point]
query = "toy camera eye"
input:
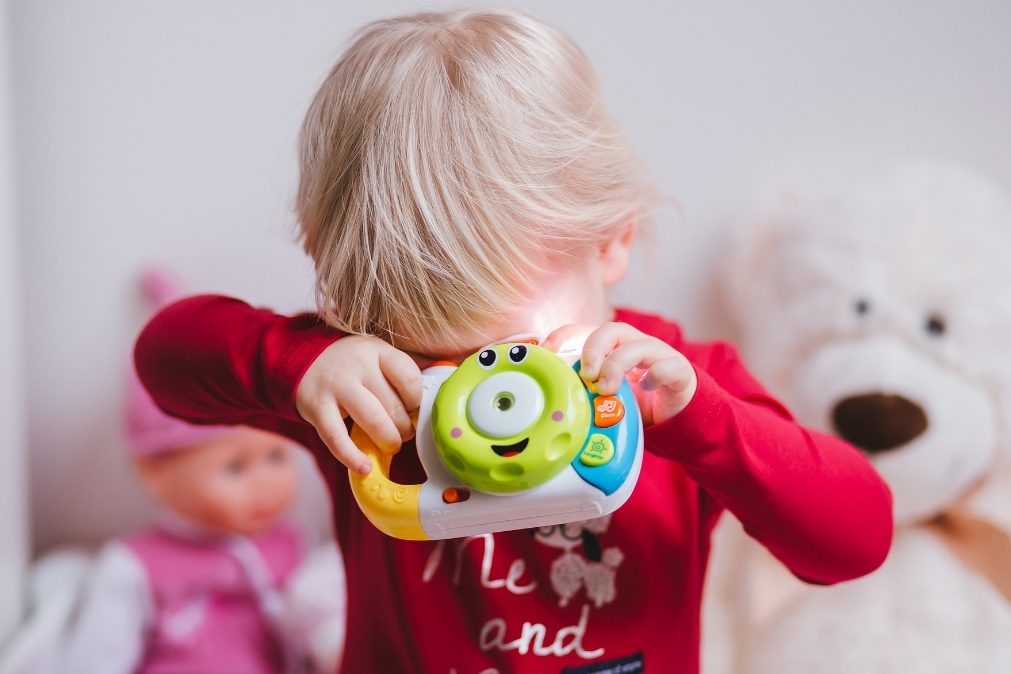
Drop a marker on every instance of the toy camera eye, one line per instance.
(487, 358)
(517, 353)
(505, 404)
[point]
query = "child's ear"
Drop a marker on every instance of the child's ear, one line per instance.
(615, 254)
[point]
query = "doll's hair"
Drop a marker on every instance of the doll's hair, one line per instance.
(448, 163)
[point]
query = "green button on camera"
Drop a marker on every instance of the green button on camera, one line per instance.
(599, 450)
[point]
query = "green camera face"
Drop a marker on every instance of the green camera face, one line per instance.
(510, 417)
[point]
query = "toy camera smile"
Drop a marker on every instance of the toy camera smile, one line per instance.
(510, 439)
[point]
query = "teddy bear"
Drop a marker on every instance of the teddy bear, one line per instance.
(883, 315)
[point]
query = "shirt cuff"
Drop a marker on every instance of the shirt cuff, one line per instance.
(308, 338)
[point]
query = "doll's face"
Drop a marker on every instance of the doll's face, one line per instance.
(242, 482)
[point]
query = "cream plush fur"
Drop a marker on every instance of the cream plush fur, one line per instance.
(901, 287)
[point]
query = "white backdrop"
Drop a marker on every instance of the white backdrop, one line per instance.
(165, 131)
(13, 471)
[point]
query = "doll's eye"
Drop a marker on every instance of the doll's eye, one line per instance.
(862, 306)
(486, 359)
(235, 467)
(935, 325)
(518, 353)
(276, 456)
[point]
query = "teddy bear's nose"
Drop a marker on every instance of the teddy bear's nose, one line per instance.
(876, 422)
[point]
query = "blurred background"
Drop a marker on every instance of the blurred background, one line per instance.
(133, 133)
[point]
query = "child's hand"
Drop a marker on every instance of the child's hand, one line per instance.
(364, 378)
(661, 377)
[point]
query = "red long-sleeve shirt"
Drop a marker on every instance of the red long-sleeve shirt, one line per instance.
(610, 596)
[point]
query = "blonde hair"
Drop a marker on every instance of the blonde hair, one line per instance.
(448, 162)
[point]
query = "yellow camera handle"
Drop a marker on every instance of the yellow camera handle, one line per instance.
(392, 507)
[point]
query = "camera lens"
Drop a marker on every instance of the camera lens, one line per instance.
(503, 401)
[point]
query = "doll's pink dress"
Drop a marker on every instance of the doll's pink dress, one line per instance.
(212, 600)
(176, 599)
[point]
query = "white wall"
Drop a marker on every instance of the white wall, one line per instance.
(13, 471)
(164, 130)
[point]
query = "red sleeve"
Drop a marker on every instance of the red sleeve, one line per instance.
(812, 499)
(210, 359)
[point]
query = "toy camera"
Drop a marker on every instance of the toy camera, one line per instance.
(510, 439)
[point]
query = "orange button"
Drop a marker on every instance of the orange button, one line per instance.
(607, 411)
(455, 494)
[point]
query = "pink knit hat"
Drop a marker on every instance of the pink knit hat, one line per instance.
(148, 429)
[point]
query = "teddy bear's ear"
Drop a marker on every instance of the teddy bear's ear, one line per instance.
(753, 242)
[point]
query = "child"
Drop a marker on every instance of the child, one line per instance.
(461, 181)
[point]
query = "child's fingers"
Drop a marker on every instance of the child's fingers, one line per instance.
(330, 426)
(403, 374)
(421, 361)
(637, 353)
(390, 400)
(677, 378)
(602, 342)
(366, 411)
(674, 372)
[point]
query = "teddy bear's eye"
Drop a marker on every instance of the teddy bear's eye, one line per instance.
(518, 353)
(862, 306)
(935, 325)
(486, 359)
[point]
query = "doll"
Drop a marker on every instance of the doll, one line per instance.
(206, 588)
